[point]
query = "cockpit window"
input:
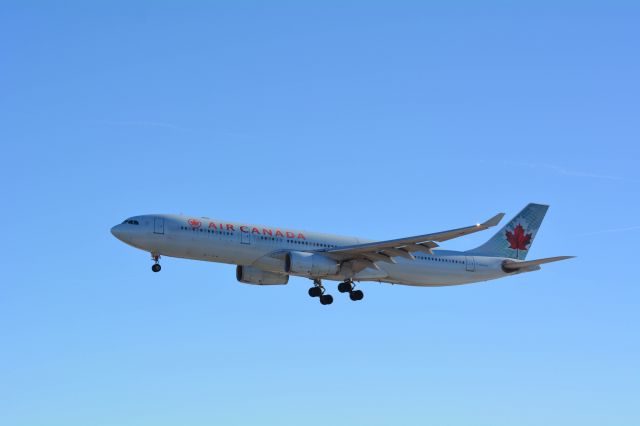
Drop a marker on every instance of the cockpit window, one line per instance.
(131, 222)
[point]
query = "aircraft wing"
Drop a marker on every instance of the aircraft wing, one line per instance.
(385, 251)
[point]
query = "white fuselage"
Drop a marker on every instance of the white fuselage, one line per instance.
(258, 246)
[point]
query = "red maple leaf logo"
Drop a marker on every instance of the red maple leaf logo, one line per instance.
(195, 223)
(517, 239)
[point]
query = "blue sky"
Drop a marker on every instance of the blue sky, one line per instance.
(377, 119)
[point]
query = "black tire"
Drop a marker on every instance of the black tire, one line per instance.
(344, 287)
(326, 299)
(156, 267)
(356, 295)
(315, 292)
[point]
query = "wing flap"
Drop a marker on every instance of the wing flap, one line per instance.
(423, 247)
(398, 252)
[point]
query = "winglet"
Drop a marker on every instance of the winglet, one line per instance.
(493, 221)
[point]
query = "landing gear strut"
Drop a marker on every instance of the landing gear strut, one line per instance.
(348, 287)
(156, 266)
(318, 291)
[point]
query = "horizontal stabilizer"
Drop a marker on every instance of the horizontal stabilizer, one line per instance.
(510, 265)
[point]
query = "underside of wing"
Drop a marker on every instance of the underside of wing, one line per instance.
(365, 255)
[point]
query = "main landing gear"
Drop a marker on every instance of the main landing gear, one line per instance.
(344, 287)
(318, 291)
(156, 266)
(348, 287)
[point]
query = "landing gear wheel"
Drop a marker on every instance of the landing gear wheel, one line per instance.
(326, 299)
(356, 295)
(318, 291)
(345, 287)
(156, 266)
(315, 291)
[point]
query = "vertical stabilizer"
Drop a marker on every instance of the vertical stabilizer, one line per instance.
(515, 238)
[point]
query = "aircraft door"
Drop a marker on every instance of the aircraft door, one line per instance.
(158, 225)
(470, 263)
(245, 237)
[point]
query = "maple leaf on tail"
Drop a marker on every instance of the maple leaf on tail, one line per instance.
(517, 239)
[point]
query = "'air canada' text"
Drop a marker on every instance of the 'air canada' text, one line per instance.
(195, 223)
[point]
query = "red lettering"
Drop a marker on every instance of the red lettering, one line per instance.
(244, 228)
(290, 234)
(279, 234)
(267, 232)
(212, 225)
(255, 231)
(229, 228)
(300, 236)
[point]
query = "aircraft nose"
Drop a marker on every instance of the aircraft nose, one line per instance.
(117, 231)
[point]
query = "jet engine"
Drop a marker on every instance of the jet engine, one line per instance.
(310, 264)
(251, 275)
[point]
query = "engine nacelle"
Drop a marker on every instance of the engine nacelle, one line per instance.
(310, 264)
(251, 275)
(270, 263)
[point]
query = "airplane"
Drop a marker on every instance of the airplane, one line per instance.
(267, 255)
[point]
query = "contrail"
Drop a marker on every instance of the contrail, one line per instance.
(607, 231)
(142, 124)
(567, 172)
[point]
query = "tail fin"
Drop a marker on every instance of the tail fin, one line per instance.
(515, 238)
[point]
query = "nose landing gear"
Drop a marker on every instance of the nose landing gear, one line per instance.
(318, 291)
(156, 266)
(348, 287)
